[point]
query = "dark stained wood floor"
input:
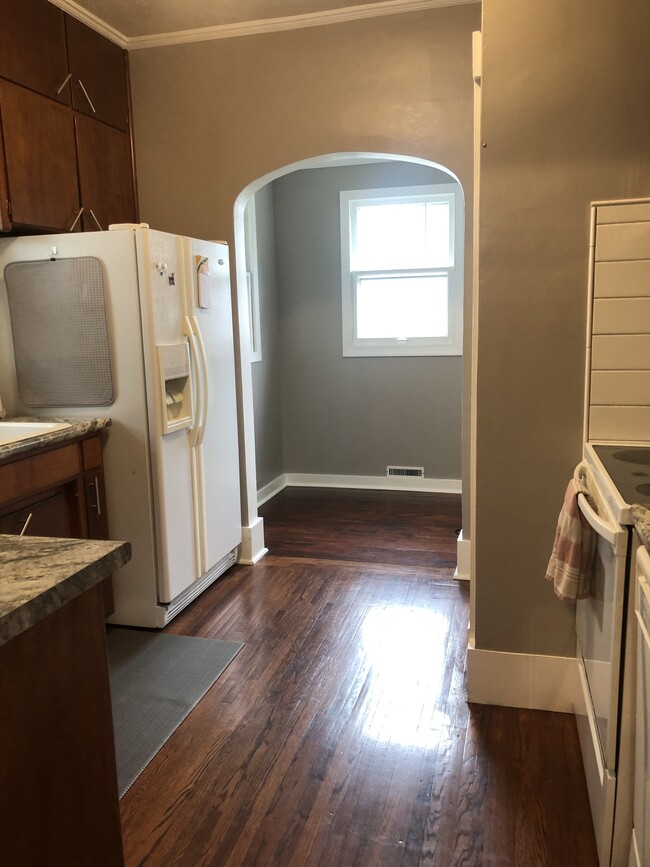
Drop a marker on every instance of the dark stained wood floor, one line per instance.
(340, 735)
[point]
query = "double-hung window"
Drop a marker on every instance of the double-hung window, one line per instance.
(402, 271)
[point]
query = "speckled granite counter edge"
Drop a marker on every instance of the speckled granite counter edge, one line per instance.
(40, 575)
(79, 427)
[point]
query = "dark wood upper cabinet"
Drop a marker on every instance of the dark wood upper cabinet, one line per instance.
(65, 141)
(105, 174)
(98, 68)
(33, 48)
(41, 159)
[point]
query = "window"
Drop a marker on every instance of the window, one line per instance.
(402, 271)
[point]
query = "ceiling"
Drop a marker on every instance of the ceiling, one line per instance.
(145, 23)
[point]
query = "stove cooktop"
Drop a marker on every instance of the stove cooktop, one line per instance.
(629, 469)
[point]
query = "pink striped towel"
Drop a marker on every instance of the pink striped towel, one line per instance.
(572, 558)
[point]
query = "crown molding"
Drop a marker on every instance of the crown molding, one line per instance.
(93, 21)
(252, 28)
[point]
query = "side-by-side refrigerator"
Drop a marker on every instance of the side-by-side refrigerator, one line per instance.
(136, 325)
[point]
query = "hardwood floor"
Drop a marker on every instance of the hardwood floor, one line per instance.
(340, 735)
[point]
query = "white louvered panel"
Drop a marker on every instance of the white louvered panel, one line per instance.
(620, 423)
(615, 241)
(622, 279)
(628, 213)
(621, 316)
(620, 387)
(620, 352)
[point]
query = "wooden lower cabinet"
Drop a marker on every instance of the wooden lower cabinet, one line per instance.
(58, 800)
(50, 516)
(59, 492)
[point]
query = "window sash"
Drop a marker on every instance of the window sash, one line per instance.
(413, 346)
(403, 274)
(427, 256)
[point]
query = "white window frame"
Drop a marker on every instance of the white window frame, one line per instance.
(452, 344)
(252, 279)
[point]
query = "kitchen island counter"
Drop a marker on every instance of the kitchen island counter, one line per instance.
(39, 575)
(59, 800)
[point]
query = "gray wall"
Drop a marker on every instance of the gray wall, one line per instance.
(565, 120)
(351, 416)
(266, 373)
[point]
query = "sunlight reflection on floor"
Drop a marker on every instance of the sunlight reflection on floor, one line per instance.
(403, 651)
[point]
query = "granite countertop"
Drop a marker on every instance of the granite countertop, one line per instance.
(641, 516)
(40, 575)
(79, 427)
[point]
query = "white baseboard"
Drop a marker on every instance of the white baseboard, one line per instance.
(522, 680)
(382, 483)
(364, 483)
(271, 489)
(463, 558)
(252, 544)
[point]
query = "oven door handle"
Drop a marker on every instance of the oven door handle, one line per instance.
(611, 532)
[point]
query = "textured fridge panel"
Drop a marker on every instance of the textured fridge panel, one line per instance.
(60, 332)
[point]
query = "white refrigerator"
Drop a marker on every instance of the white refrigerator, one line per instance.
(171, 453)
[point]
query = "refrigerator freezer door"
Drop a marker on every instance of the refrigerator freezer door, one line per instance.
(175, 508)
(208, 300)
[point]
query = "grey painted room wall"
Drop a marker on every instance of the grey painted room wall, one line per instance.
(266, 373)
(349, 416)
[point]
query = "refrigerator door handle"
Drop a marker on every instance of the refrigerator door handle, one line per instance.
(206, 393)
(197, 409)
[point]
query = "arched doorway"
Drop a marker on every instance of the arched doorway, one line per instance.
(253, 547)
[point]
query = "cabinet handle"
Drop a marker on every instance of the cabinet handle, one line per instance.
(76, 220)
(26, 524)
(96, 504)
(92, 214)
(64, 82)
(85, 93)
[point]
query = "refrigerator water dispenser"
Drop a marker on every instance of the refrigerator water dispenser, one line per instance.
(176, 385)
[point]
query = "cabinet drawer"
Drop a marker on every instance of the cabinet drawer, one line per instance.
(30, 475)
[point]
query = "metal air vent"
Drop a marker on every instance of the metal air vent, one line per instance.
(405, 471)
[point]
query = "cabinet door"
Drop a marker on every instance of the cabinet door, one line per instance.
(105, 174)
(55, 515)
(40, 157)
(98, 68)
(32, 47)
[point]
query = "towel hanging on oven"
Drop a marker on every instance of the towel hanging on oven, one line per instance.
(570, 566)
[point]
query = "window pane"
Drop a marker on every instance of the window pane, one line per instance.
(402, 307)
(402, 235)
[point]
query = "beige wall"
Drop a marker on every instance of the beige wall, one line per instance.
(566, 90)
(211, 117)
